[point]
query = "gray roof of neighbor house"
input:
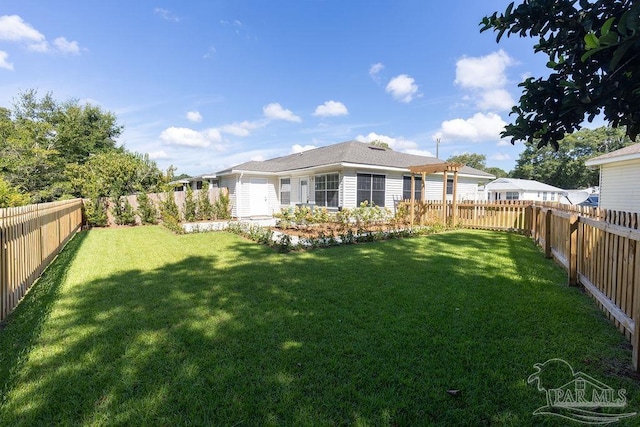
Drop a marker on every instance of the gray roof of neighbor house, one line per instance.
(353, 152)
(514, 184)
(629, 152)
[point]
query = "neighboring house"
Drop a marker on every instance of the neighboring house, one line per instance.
(195, 182)
(337, 176)
(522, 189)
(619, 178)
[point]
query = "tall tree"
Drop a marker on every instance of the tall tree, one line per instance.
(39, 137)
(565, 167)
(593, 50)
(473, 160)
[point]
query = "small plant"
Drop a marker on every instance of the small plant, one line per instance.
(204, 208)
(123, 212)
(170, 213)
(189, 205)
(146, 209)
(222, 206)
(95, 210)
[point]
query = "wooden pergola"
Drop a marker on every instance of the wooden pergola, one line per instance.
(425, 170)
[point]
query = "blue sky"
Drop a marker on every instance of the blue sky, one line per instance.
(203, 85)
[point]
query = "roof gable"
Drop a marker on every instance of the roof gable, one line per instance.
(629, 152)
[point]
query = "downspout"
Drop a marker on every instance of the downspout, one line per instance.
(238, 196)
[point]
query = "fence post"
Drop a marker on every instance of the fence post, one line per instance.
(635, 315)
(547, 233)
(573, 250)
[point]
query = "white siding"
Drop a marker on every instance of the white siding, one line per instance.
(230, 183)
(393, 191)
(620, 186)
(348, 188)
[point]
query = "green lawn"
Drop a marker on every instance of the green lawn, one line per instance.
(137, 326)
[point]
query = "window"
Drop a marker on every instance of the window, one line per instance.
(198, 185)
(449, 185)
(544, 196)
(327, 190)
(513, 195)
(285, 191)
(371, 189)
(406, 188)
(553, 196)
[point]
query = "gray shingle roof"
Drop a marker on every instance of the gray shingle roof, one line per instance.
(345, 152)
(506, 184)
(625, 151)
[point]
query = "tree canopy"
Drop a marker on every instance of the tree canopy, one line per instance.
(50, 150)
(477, 161)
(564, 168)
(593, 50)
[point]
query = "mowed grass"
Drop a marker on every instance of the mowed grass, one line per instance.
(137, 326)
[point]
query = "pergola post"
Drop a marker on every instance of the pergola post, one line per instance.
(423, 195)
(454, 204)
(413, 197)
(444, 196)
(436, 168)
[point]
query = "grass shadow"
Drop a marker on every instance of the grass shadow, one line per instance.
(21, 329)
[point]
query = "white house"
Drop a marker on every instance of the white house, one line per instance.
(336, 176)
(619, 178)
(522, 189)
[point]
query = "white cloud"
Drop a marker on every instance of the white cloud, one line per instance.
(210, 52)
(274, 111)
(157, 155)
(194, 116)
(486, 78)
(503, 143)
(243, 128)
(485, 72)
(500, 157)
(167, 15)
(3, 61)
(397, 144)
(496, 98)
(403, 88)
(297, 148)
(331, 108)
(191, 138)
(476, 128)
(65, 46)
(375, 69)
(13, 28)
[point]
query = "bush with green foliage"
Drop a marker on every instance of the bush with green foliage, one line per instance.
(95, 211)
(204, 208)
(222, 206)
(170, 213)
(146, 209)
(189, 205)
(10, 196)
(123, 212)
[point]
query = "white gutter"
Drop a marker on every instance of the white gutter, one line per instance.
(596, 162)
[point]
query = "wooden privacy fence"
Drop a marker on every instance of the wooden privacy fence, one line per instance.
(30, 237)
(599, 249)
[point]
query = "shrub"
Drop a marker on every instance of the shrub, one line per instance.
(189, 205)
(95, 211)
(204, 208)
(123, 212)
(170, 213)
(222, 206)
(146, 209)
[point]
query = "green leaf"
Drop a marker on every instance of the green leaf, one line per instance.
(609, 39)
(619, 53)
(591, 41)
(607, 26)
(589, 53)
